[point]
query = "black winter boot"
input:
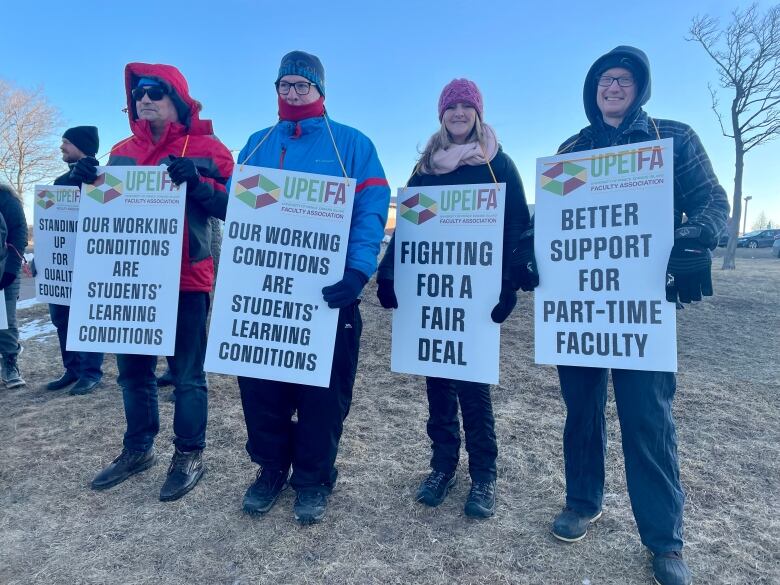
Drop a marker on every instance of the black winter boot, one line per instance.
(481, 502)
(184, 472)
(435, 488)
(128, 463)
(263, 493)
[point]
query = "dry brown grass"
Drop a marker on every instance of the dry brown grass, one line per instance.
(54, 529)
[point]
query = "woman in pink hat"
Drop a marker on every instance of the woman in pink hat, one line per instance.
(463, 151)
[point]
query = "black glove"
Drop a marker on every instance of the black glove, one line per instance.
(33, 268)
(346, 291)
(689, 272)
(85, 170)
(184, 170)
(506, 302)
(6, 279)
(523, 264)
(385, 292)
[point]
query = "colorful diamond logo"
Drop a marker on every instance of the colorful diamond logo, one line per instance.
(563, 178)
(45, 199)
(106, 188)
(418, 209)
(257, 191)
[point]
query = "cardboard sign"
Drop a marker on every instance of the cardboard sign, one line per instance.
(128, 260)
(286, 237)
(604, 231)
(448, 252)
(56, 215)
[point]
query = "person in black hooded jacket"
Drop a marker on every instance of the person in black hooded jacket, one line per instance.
(16, 241)
(82, 368)
(616, 88)
(465, 151)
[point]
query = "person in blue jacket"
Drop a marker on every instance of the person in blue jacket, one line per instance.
(306, 139)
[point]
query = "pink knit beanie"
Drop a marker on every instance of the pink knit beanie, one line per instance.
(463, 91)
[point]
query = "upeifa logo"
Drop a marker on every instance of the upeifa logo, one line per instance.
(563, 178)
(106, 188)
(257, 191)
(45, 199)
(418, 208)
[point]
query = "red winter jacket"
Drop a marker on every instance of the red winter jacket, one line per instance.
(193, 138)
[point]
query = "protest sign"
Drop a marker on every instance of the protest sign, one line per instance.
(286, 237)
(56, 213)
(125, 291)
(604, 231)
(448, 252)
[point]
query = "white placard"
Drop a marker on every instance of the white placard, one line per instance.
(128, 262)
(286, 237)
(448, 252)
(56, 214)
(604, 231)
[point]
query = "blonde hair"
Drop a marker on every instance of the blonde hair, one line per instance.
(442, 140)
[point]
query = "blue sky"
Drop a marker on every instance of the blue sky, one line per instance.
(385, 65)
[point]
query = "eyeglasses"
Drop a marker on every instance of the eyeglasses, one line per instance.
(301, 87)
(606, 81)
(155, 93)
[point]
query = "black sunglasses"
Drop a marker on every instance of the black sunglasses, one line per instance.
(155, 93)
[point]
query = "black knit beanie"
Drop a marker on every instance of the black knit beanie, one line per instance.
(85, 138)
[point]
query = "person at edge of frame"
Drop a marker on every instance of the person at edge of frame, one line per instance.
(616, 87)
(306, 139)
(167, 129)
(465, 150)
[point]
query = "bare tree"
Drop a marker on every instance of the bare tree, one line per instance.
(28, 147)
(747, 59)
(762, 221)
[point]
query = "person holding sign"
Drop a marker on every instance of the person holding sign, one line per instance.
(81, 367)
(14, 243)
(616, 88)
(167, 129)
(305, 139)
(465, 150)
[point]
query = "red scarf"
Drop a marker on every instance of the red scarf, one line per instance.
(298, 113)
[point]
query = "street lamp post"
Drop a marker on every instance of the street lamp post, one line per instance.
(744, 221)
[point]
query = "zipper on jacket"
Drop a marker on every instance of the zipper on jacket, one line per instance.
(281, 157)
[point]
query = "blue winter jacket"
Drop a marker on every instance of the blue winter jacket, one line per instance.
(309, 149)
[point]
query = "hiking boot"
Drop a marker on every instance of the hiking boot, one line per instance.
(10, 372)
(670, 569)
(83, 387)
(481, 502)
(184, 472)
(435, 488)
(128, 463)
(571, 526)
(310, 505)
(263, 493)
(63, 381)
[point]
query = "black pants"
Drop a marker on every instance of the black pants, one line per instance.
(311, 444)
(478, 426)
(139, 385)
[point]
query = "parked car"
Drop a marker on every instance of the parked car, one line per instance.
(776, 247)
(758, 239)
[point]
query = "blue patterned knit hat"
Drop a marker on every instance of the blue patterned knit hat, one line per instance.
(305, 65)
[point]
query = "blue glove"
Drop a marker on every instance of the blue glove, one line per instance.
(346, 291)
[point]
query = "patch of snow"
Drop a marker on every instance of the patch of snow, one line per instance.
(26, 304)
(36, 328)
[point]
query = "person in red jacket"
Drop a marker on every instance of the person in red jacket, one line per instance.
(166, 128)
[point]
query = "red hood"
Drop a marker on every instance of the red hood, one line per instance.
(173, 77)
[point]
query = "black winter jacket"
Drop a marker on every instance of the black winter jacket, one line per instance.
(516, 216)
(13, 212)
